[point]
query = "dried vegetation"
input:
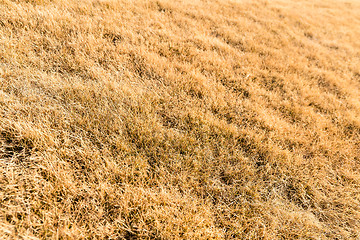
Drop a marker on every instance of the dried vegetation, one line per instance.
(169, 119)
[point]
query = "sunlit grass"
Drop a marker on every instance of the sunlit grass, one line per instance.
(179, 119)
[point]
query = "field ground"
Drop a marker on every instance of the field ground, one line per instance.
(169, 119)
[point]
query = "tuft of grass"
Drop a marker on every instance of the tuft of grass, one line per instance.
(179, 119)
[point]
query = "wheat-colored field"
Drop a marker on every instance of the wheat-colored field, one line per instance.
(179, 119)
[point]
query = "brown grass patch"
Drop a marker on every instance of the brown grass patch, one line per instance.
(179, 119)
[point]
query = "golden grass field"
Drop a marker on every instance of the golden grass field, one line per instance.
(179, 119)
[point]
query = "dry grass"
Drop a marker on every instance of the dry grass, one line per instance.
(169, 119)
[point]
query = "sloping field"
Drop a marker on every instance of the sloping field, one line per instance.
(179, 119)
